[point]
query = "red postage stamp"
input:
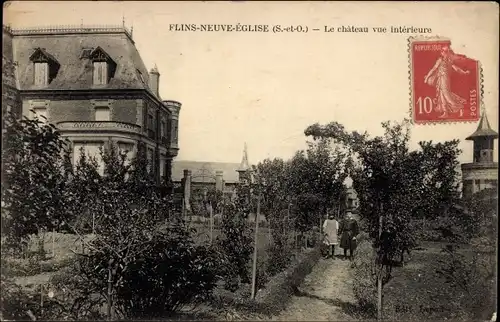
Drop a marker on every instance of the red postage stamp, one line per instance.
(445, 86)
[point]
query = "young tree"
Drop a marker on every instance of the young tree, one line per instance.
(236, 241)
(315, 180)
(33, 178)
(395, 185)
(140, 267)
(393, 181)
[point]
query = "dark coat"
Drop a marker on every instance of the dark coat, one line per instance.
(348, 229)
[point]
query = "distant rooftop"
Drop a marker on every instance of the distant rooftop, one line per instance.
(205, 171)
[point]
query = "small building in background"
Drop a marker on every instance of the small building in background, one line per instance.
(482, 173)
(197, 177)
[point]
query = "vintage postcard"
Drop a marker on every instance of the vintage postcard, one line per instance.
(249, 160)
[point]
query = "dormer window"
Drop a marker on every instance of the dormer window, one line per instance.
(45, 67)
(103, 67)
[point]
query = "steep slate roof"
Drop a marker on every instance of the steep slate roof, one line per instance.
(75, 73)
(205, 171)
(483, 129)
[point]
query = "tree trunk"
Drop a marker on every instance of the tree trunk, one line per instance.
(254, 266)
(41, 241)
(110, 294)
(379, 280)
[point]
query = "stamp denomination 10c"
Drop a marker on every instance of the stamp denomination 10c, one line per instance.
(445, 86)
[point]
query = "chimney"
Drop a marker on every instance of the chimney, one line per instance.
(154, 81)
(219, 183)
(187, 189)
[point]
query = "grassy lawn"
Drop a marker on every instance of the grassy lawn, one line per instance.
(417, 292)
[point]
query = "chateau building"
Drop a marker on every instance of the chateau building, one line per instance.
(91, 83)
(482, 173)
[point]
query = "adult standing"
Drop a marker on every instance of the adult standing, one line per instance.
(349, 229)
(330, 229)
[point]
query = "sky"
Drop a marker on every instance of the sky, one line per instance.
(266, 88)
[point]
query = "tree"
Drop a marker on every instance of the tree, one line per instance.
(397, 183)
(33, 178)
(140, 267)
(235, 241)
(274, 192)
(316, 178)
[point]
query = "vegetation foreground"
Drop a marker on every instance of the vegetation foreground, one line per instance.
(78, 244)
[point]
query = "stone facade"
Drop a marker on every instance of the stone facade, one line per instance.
(482, 173)
(91, 83)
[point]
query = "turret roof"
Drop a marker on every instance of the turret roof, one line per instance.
(483, 129)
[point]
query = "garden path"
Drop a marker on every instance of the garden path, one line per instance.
(325, 295)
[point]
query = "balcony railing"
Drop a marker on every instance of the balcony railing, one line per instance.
(99, 126)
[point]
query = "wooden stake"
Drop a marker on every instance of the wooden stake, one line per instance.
(254, 266)
(41, 297)
(53, 243)
(379, 280)
(110, 291)
(211, 224)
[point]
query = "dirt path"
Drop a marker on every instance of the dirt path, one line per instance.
(325, 295)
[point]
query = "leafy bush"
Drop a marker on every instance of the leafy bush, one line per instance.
(33, 178)
(472, 281)
(280, 251)
(172, 273)
(364, 280)
(76, 294)
(282, 286)
(15, 302)
(263, 274)
(20, 267)
(235, 243)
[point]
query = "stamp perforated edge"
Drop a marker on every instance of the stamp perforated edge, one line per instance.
(411, 112)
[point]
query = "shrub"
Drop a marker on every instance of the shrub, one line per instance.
(76, 294)
(471, 278)
(364, 280)
(170, 275)
(280, 251)
(283, 285)
(235, 243)
(20, 267)
(15, 302)
(262, 274)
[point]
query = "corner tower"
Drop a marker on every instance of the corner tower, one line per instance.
(482, 173)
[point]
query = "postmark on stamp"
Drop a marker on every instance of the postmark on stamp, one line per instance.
(445, 86)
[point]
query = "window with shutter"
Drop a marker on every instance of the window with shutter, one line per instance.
(100, 73)
(41, 74)
(102, 114)
(175, 131)
(150, 122)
